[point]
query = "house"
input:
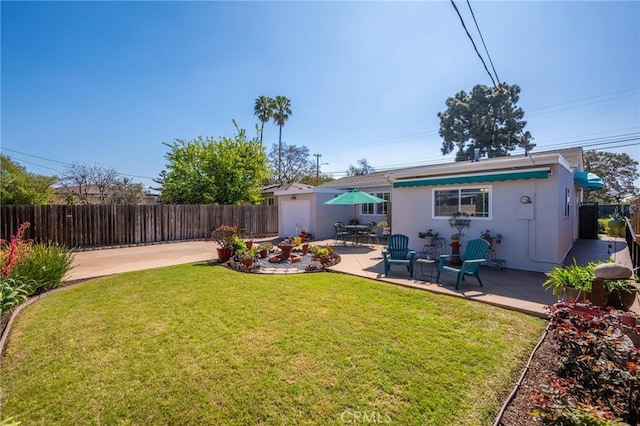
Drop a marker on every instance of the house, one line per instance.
(302, 206)
(531, 200)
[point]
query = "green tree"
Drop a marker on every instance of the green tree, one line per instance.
(125, 191)
(281, 107)
(262, 109)
(295, 163)
(205, 171)
(363, 168)
(487, 118)
(19, 187)
(617, 171)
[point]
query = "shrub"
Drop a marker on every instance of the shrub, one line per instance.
(14, 252)
(598, 381)
(224, 235)
(12, 292)
(572, 276)
(45, 267)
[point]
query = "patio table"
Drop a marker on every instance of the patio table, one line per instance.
(356, 230)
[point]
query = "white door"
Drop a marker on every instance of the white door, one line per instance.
(295, 214)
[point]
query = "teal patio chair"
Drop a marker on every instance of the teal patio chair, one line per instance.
(473, 257)
(397, 252)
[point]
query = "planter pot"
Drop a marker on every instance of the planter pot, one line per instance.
(490, 241)
(622, 298)
(428, 240)
(325, 259)
(305, 248)
(248, 243)
(263, 253)
(247, 261)
(576, 294)
(286, 251)
(224, 254)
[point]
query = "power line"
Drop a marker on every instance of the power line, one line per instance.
(607, 141)
(61, 162)
(483, 43)
(36, 156)
(473, 42)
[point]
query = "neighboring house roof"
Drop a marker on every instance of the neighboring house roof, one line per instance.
(570, 158)
(360, 181)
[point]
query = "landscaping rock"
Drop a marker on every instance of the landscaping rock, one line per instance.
(613, 271)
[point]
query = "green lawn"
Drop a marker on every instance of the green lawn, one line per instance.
(200, 344)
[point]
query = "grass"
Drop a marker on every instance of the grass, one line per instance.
(198, 344)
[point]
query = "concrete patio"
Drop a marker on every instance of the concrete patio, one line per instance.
(511, 289)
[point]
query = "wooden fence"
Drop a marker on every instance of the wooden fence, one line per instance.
(107, 225)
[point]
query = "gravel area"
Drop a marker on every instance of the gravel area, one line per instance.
(286, 267)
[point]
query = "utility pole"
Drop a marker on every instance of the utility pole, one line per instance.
(317, 165)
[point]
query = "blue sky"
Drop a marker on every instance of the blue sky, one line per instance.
(109, 82)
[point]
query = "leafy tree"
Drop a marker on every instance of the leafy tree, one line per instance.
(617, 171)
(281, 110)
(487, 118)
(124, 191)
(363, 168)
(295, 163)
(206, 171)
(88, 184)
(262, 110)
(316, 181)
(19, 187)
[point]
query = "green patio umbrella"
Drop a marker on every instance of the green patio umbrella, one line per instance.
(355, 197)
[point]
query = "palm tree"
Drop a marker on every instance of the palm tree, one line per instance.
(262, 109)
(281, 108)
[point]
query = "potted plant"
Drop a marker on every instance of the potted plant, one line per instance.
(616, 225)
(622, 293)
(486, 235)
(306, 237)
(249, 241)
(572, 282)
(248, 256)
(429, 235)
(238, 245)
(324, 254)
(224, 236)
(264, 248)
(285, 248)
(386, 230)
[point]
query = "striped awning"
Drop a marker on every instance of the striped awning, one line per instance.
(539, 173)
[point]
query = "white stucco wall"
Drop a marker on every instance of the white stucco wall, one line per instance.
(536, 236)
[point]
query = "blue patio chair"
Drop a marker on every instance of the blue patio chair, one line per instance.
(473, 257)
(397, 252)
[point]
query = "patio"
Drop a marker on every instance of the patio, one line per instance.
(511, 289)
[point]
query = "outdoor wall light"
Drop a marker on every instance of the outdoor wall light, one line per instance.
(525, 199)
(293, 197)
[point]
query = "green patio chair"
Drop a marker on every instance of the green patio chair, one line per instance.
(473, 257)
(397, 252)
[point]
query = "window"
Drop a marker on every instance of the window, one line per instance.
(377, 208)
(270, 201)
(567, 201)
(472, 201)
